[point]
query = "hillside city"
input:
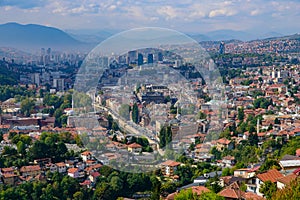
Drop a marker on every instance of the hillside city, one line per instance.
(60, 143)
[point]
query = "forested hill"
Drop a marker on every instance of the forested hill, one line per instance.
(7, 76)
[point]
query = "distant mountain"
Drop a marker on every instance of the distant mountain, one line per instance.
(229, 35)
(33, 36)
(91, 36)
(200, 37)
(270, 35)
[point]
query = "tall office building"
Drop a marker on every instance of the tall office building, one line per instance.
(131, 57)
(222, 48)
(159, 56)
(140, 59)
(150, 58)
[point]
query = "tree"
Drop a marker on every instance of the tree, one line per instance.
(226, 172)
(269, 164)
(115, 126)
(186, 195)
(253, 139)
(78, 195)
(291, 191)
(241, 114)
(165, 136)
(268, 188)
(135, 113)
(156, 185)
(201, 115)
(110, 121)
(27, 106)
(210, 196)
(21, 148)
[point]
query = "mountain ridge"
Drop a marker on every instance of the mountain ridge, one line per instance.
(31, 36)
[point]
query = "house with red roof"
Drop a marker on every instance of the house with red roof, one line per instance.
(86, 155)
(228, 161)
(233, 191)
(286, 180)
(272, 175)
(134, 148)
(61, 167)
(93, 176)
(169, 167)
(9, 179)
(224, 143)
(31, 170)
(75, 173)
(86, 183)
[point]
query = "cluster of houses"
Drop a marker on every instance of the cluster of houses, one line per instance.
(250, 177)
(85, 168)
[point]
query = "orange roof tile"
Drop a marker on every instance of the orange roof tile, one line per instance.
(30, 168)
(199, 189)
(232, 191)
(170, 163)
(223, 141)
(134, 146)
(6, 170)
(252, 196)
(287, 179)
(271, 175)
(72, 170)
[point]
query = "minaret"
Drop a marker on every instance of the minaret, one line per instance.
(257, 126)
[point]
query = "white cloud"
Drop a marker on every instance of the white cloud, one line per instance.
(255, 12)
(221, 12)
(112, 7)
(188, 14)
(168, 12)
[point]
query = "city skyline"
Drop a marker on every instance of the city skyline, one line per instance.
(254, 16)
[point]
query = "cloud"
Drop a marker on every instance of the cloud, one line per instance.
(255, 12)
(168, 12)
(221, 12)
(27, 4)
(178, 14)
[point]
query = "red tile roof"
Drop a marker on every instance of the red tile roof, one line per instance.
(134, 146)
(297, 171)
(86, 182)
(72, 170)
(287, 179)
(271, 175)
(95, 174)
(170, 163)
(223, 141)
(232, 191)
(6, 170)
(199, 189)
(30, 168)
(298, 152)
(252, 196)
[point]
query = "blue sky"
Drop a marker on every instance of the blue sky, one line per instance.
(197, 16)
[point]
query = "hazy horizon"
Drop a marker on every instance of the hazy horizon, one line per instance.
(251, 16)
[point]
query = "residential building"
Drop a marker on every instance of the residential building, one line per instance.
(31, 170)
(169, 167)
(135, 148)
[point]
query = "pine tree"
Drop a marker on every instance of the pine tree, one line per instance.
(135, 113)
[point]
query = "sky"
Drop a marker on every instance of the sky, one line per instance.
(192, 16)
